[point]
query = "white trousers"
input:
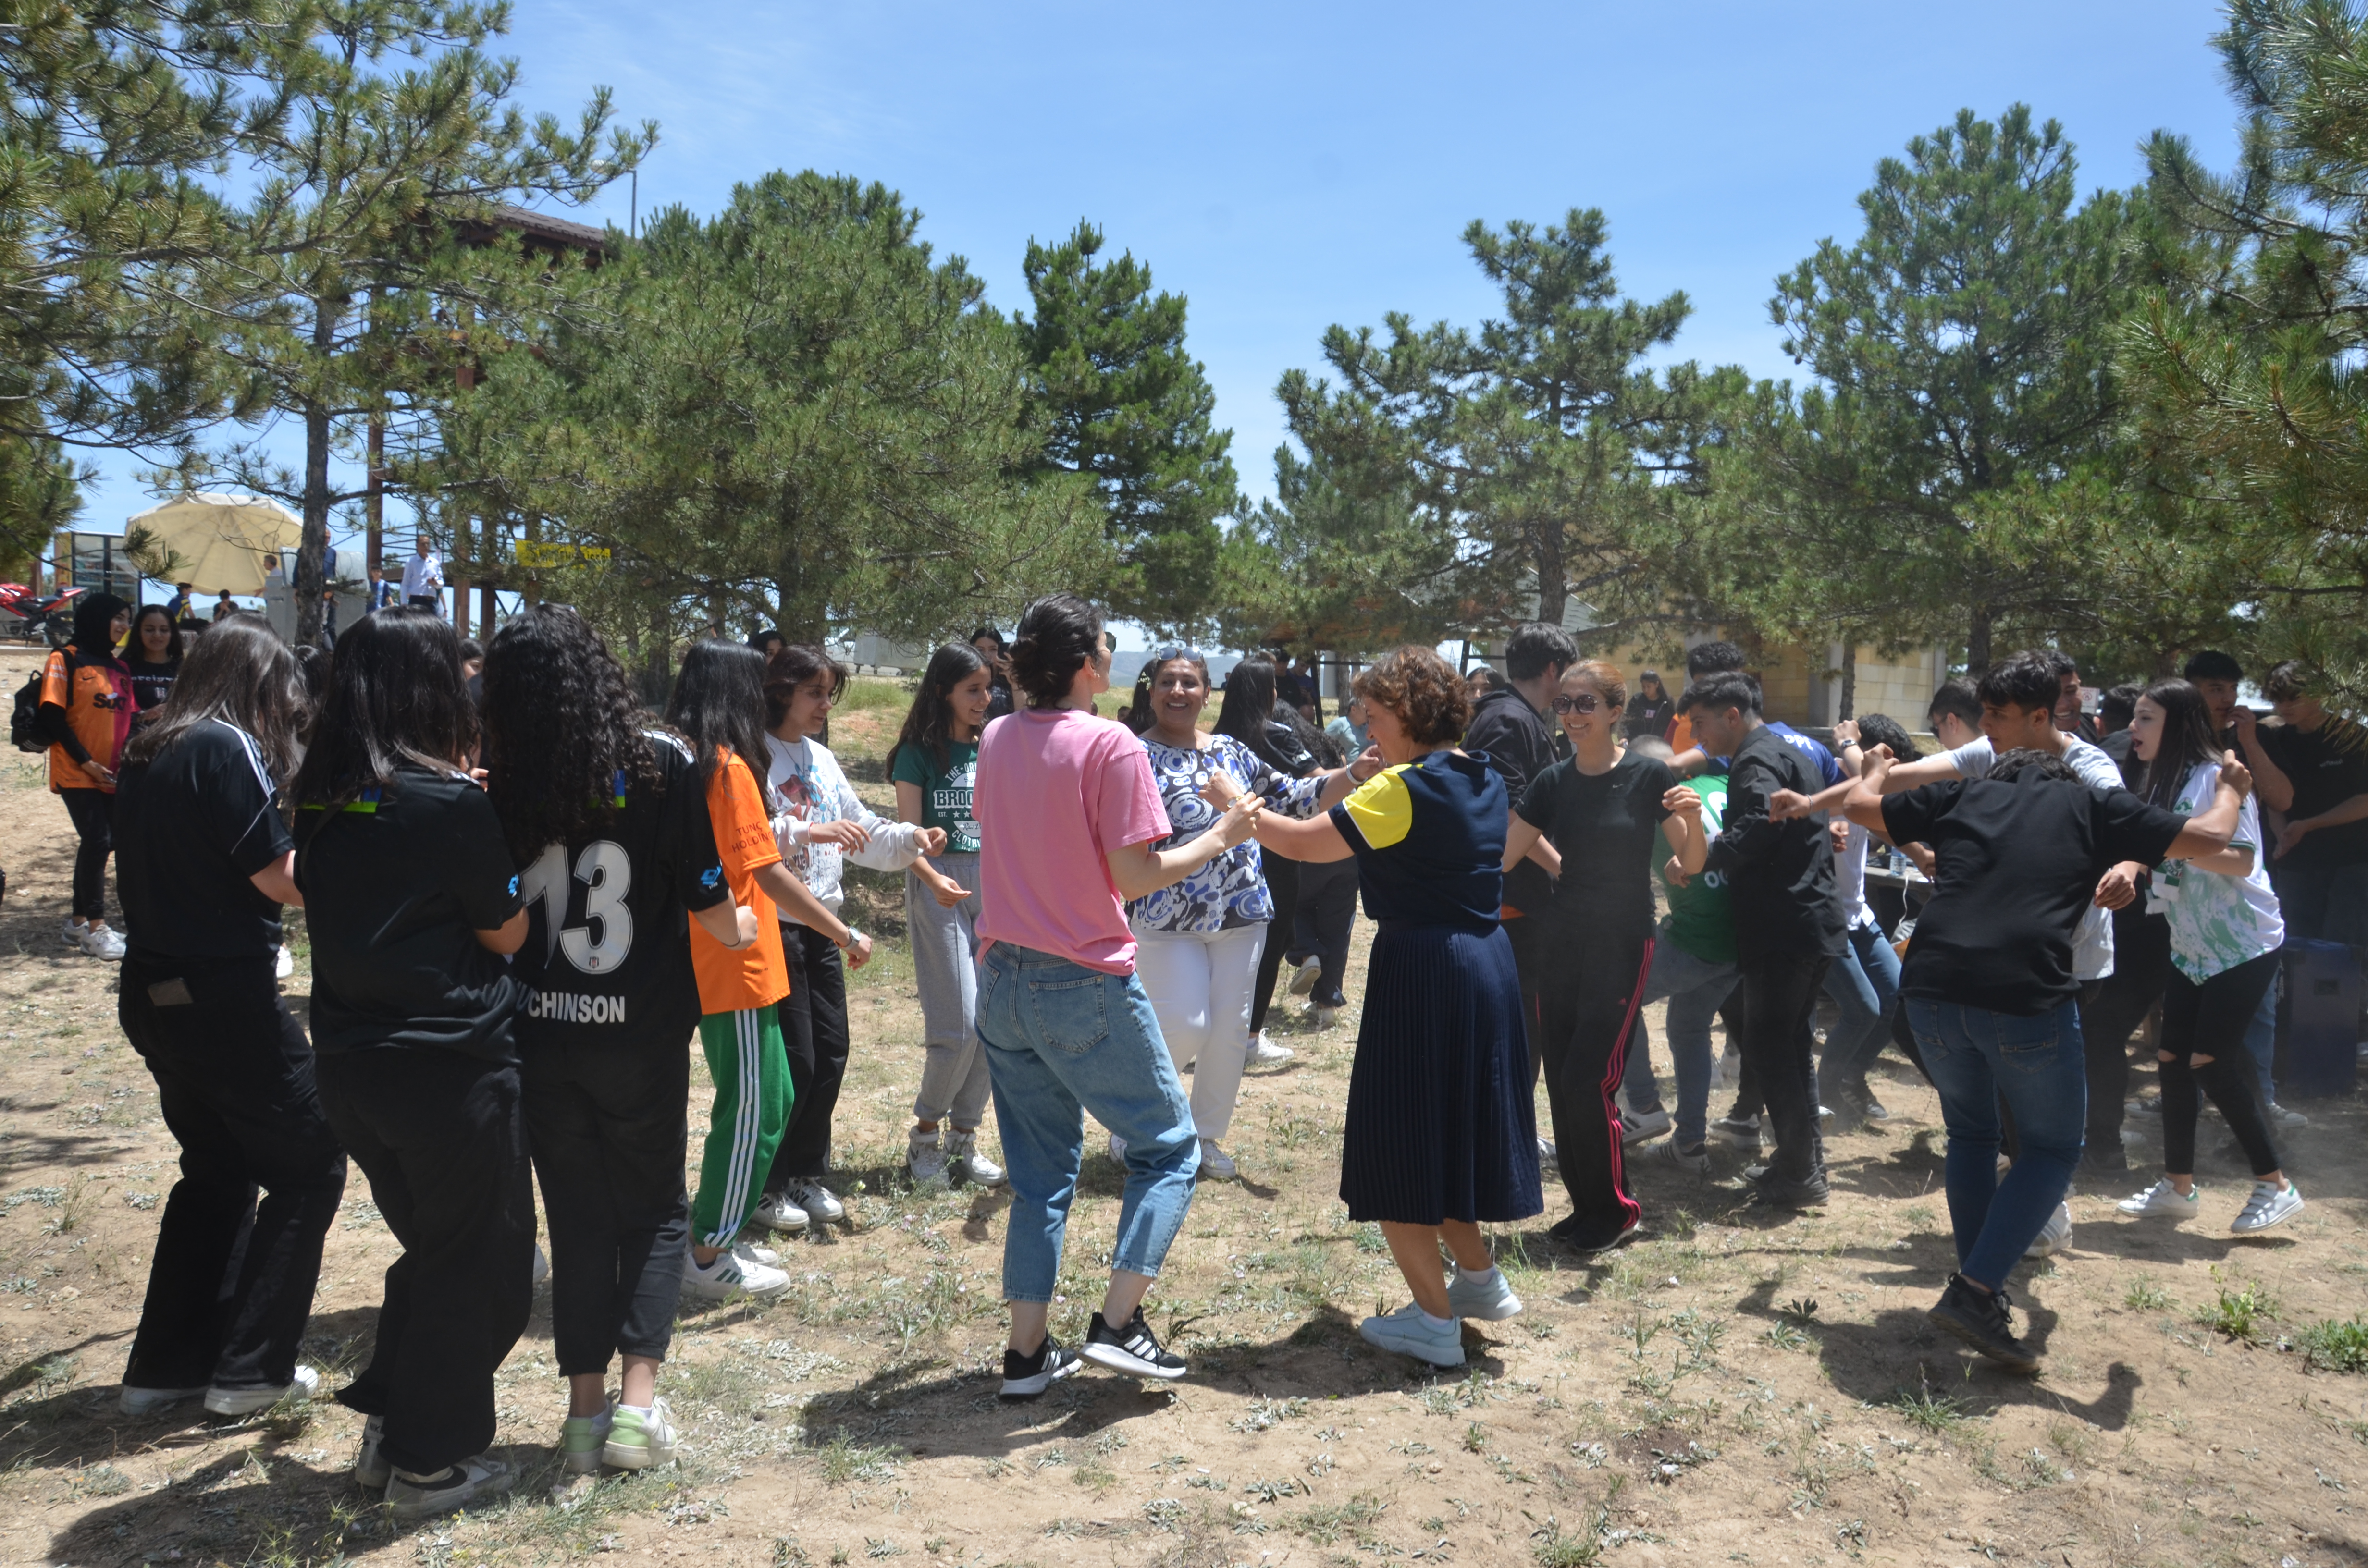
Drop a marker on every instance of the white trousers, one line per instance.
(1201, 984)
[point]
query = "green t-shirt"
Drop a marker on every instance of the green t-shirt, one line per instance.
(1699, 919)
(945, 794)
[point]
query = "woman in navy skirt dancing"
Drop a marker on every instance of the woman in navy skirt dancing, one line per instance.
(1442, 1133)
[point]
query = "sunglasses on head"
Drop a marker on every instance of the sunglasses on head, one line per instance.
(1576, 702)
(1176, 650)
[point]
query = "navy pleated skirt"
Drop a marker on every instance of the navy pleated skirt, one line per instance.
(1440, 1124)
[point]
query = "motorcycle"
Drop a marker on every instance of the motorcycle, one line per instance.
(36, 617)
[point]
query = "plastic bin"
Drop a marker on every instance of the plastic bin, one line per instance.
(2322, 1041)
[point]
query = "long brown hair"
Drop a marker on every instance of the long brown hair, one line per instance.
(928, 723)
(2187, 741)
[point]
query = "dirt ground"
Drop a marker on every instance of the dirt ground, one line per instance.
(1737, 1388)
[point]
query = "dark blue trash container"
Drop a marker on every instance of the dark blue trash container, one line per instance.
(2322, 1041)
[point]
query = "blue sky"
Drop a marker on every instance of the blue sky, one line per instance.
(1288, 166)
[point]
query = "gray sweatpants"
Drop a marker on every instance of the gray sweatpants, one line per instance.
(945, 947)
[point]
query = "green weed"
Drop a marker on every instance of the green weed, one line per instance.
(2145, 1296)
(2337, 1347)
(2239, 1313)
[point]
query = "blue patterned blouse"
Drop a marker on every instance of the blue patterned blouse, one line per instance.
(1230, 890)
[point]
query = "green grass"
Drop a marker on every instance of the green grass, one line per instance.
(865, 693)
(1937, 1414)
(2337, 1347)
(2239, 1313)
(2145, 1296)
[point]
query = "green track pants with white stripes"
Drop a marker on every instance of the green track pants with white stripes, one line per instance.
(752, 1107)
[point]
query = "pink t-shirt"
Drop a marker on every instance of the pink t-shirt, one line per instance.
(1057, 790)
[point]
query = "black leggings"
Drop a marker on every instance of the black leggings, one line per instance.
(1282, 887)
(1326, 916)
(2141, 970)
(93, 812)
(813, 1034)
(2210, 1020)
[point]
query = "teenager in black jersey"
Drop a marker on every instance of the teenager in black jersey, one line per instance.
(412, 902)
(611, 825)
(204, 864)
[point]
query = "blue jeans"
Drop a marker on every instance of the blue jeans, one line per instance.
(1062, 1039)
(1865, 991)
(1695, 990)
(2039, 1065)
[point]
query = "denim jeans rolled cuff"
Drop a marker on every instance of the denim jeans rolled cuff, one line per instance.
(1695, 989)
(1062, 1041)
(2038, 1064)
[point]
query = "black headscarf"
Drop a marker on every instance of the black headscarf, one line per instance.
(93, 629)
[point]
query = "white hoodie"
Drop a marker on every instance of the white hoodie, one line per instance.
(814, 791)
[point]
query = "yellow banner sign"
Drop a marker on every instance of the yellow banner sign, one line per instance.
(533, 553)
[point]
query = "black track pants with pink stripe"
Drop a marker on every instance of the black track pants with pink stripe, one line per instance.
(1592, 981)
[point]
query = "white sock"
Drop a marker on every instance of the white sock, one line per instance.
(640, 1410)
(1437, 1325)
(1478, 1276)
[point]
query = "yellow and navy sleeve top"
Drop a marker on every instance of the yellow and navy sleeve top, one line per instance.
(1429, 835)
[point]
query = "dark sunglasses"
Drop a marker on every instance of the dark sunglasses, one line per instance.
(1584, 702)
(1176, 650)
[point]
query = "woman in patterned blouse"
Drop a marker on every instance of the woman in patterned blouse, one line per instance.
(1197, 941)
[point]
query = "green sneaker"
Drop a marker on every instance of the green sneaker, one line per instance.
(637, 1441)
(581, 1438)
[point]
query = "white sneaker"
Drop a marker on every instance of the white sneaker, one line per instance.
(1669, 1153)
(1324, 1017)
(418, 1497)
(1302, 980)
(730, 1275)
(1216, 1161)
(284, 966)
(1637, 1126)
(964, 1160)
(541, 1270)
(925, 1155)
(2281, 1117)
(817, 1200)
(756, 1252)
(2053, 1236)
(71, 933)
(1118, 1148)
(1409, 1332)
(1491, 1302)
(102, 942)
(1727, 1073)
(1264, 1052)
(775, 1211)
(637, 1441)
(2270, 1205)
(246, 1402)
(1546, 1156)
(146, 1402)
(2163, 1199)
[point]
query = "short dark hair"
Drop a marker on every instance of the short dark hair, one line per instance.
(2025, 762)
(1725, 689)
(1059, 636)
(1535, 647)
(2287, 681)
(1713, 658)
(2211, 664)
(1414, 684)
(2119, 706)
(471, 649)
(1883, 730)
(1958, 697)
(2059, 662)
(2024, 681)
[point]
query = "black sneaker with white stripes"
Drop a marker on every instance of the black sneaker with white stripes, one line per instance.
(1025, 1377)
(1132, 1350)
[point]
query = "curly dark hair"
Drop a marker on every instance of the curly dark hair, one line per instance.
(1883, 730)
(392, 694)
(560, 722)
(1414, 684)
(791, 667)
(2037, 764)
(1059, 636)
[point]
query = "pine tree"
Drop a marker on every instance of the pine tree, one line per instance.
(1122, 402)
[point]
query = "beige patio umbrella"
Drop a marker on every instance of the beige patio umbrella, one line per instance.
(219, 543)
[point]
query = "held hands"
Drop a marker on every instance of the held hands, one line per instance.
(1221, 790)
(1370, 759)
(930, 841)
(1838, 834)
(1681, 801)
(1675, 874)
(1782, 806)
(1846, 733)
(1239, 822)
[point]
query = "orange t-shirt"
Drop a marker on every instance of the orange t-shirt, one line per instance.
(757, 975)
(99, 705)
(1681, 735)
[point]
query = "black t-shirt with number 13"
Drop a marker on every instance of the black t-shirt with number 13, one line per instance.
(607, 954)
